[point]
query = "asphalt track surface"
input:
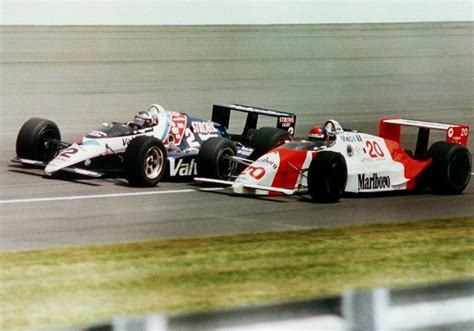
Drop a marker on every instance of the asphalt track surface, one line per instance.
(83, 76)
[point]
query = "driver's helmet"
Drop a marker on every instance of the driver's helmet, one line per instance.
(318, 133)
(148, 118)
(143, 118)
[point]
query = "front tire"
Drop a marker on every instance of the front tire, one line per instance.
(450, 171)
(327, 177)
(145, 161)
(213, 160)
(33, 140)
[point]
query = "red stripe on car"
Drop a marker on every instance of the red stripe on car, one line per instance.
(411, 166)
(287, 174)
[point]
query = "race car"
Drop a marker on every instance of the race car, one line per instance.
(333, 160)
(157, 143)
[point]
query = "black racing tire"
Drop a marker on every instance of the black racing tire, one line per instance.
(212, 161)
(450, 170)
(267, 138)
(327, 177)
(31, 143)
(145, 161)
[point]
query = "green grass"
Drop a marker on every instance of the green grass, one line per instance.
(83, 284)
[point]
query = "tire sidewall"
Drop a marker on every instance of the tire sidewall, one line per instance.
(451, 167)
(30, 142)
(210, 162)
(137, 158)
(327, 177)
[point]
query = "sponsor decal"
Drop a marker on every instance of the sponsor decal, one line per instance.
(286, 122)
(178, 125)
(351, 138)
(180, 167)
(268, 161)
(450, 132)
(245, 151)
(458, 135)
(204, 127)
(126, 141)
(350, 150)
(373, 182)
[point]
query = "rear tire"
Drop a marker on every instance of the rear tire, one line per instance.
(145, 161)
(212, 161)
(450, 171)
(265, 139)
(31, 140)
(327, 177)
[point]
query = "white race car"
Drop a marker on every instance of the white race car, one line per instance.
(332, 161)
(156, 143)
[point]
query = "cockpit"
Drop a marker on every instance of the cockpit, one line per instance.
(325, 133)
(319, 137)
(149, 118)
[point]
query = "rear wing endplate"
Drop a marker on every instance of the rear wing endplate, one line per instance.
(390, 129)
(285, 120)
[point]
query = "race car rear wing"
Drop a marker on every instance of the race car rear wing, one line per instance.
(391, 128)
(221, 115)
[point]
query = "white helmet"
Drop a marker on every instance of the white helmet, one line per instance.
(143, 118)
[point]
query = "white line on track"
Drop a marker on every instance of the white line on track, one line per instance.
(111, 195)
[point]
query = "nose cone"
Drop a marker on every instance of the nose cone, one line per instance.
(259, 173)
(74, 154)
(280, 169)
(53, 166)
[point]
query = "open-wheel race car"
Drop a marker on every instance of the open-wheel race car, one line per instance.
(157, 143)
(333, 160)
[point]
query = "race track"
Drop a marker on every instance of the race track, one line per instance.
(81, 77)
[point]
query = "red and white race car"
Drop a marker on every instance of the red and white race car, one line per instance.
(333, 161)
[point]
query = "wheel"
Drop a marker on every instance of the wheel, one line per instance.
(144, 161)
(213, 158)
(450, 171)
(264, 139)
(327, 177)
(33, 142)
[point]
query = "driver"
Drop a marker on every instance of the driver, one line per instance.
(146, 118)
(317, 133)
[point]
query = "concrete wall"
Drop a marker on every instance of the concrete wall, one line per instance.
(199, 12)
(354, 73)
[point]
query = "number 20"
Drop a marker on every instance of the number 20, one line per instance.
(375, 150)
